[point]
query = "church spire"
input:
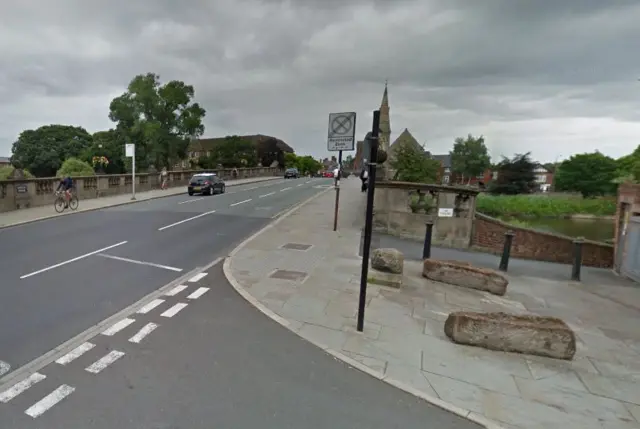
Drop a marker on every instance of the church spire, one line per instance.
(385, 120)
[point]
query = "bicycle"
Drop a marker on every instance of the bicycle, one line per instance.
(60, 203)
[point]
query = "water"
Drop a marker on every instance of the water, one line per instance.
(597, 230)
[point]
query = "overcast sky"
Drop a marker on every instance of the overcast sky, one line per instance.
(554, 77)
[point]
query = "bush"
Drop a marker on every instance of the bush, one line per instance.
(5, 172)
(75, 167)
(543, 206)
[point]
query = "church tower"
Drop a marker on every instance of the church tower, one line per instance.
(385, 121)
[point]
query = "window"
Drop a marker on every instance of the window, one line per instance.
(447, 170)
(541, 178)
(445, 179)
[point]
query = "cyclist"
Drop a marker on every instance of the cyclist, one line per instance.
(66, 184)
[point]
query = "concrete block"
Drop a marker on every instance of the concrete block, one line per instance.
(465, 275)
(385, 279)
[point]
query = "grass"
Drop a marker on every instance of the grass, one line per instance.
(543, 206)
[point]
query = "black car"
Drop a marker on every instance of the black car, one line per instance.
(291, 173)
(206, 183)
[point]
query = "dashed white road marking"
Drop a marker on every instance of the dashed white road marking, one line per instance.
(198, 293)
(266, 195)
(150, 306)
(285, 189)
(249, 189)
(308, 181)
(21, 386)
(186, 220)
(75, 353)
(117, 327)
(4, 367)
(104, 361)
(146, 330)
(77, 258)
(134, 261)
(174, 310)
(239, 202)
(197, 277)
(176, 290)
(40, 407)
(191, 201)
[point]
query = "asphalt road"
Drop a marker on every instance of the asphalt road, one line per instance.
(61, 276)
(217, 363)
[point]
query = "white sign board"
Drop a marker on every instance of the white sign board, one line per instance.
(342, 131)
(445, 212)
(129, 150)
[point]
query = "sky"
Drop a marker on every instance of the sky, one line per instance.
(551, 77)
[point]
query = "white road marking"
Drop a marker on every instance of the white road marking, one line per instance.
(249, 189)
(240, 202)
(198, 293)
(266, 195)
(21, 386)
(176, 290)
(4, 367)
(285, 189)
(174, 310)
(191, 201)
(49, 401)
(301, 184)
(186, 220)
(150, 306)
(104, 362)
(308, 181)
(146, 330)
(75, 353)
(86, 255)
(117, 327)
(134, 261)
(197, 277)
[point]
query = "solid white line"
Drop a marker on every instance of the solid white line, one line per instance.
(266, 195)
(133, 261)
(238, 203)
(146, 330)
(174, 310)
(285, 189)
(186, 220)
(49, 401)
(191, 201)
(197, 277)
(117, 327)
(176, 290)
(104, 362)
(150, 306)
(21, 386)
(198, 293)
(73, 260)
(75, 353)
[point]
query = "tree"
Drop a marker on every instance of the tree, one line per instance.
(515, 176)
(413, 165)
(591, 174)
(235, 152)
(75, 167)
(160, 119)
(470, 157)
(6, 172)
(110, 144)
(42, 151)
(305, 164)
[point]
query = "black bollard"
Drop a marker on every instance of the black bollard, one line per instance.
(506, 251)
(426, 250)
(577, 259)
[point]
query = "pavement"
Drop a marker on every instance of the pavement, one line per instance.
(306, 277)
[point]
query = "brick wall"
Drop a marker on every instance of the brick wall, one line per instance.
(488, 235)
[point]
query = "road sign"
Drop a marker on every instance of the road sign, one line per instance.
(129, 150)
(342, 131)
(445, 212)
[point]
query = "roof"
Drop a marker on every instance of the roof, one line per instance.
(406, 138)
(445, 160)
(5, 160)
(209, 143)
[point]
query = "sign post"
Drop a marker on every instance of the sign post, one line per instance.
(130, 151)
(341, 136)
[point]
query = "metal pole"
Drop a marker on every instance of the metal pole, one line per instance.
(577, 259)
(133, 174)
(368, 226)
(426, 250)
(506, 251)
(335, 214)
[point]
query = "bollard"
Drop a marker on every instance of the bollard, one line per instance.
(506, 251)
(426, 250)
(577, 259)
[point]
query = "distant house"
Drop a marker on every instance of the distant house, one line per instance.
(448, 176)
(544, 178)
(5, 161)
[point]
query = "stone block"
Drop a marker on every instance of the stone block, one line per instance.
(465, 275)
(534, 335)
(387, 260)
(385, 279)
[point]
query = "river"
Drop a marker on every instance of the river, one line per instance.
(597, 230)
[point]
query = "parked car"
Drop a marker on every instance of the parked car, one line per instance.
(291, 173)
(327, 174)
(206, 184)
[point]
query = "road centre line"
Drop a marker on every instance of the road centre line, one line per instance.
(240, 202)
(40, 407)
(117, 327)
(150, 306)
(75, 353)
(191, 201)
(197, 277)
(21, 386)
(104, 361)
(285, 189)
(266, 195)
(184, 220)
(134, 261)
(86, 255)
(176, 290)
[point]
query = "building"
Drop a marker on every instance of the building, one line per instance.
(5, 161)
(544, 178)
(448, 176)
(384, 134)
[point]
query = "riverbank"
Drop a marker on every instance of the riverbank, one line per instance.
(545, 206)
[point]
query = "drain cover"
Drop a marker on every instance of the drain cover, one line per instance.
(296, 246)
(295, 276)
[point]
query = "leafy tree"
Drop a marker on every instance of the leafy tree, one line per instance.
(7, 171)
(305, 164)
(590, 174)
(470, 157)
(235, 152)
(291, 160)
(160, 119)
(413, 165)
(110, 144)
(42, 151)
(515, 176)
(75, 167)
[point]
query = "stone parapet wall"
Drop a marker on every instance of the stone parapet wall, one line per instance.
(25, 193)
(488, 235)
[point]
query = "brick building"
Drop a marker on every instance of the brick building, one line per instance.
(448, 176)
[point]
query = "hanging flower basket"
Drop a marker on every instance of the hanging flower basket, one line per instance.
(100, 163)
